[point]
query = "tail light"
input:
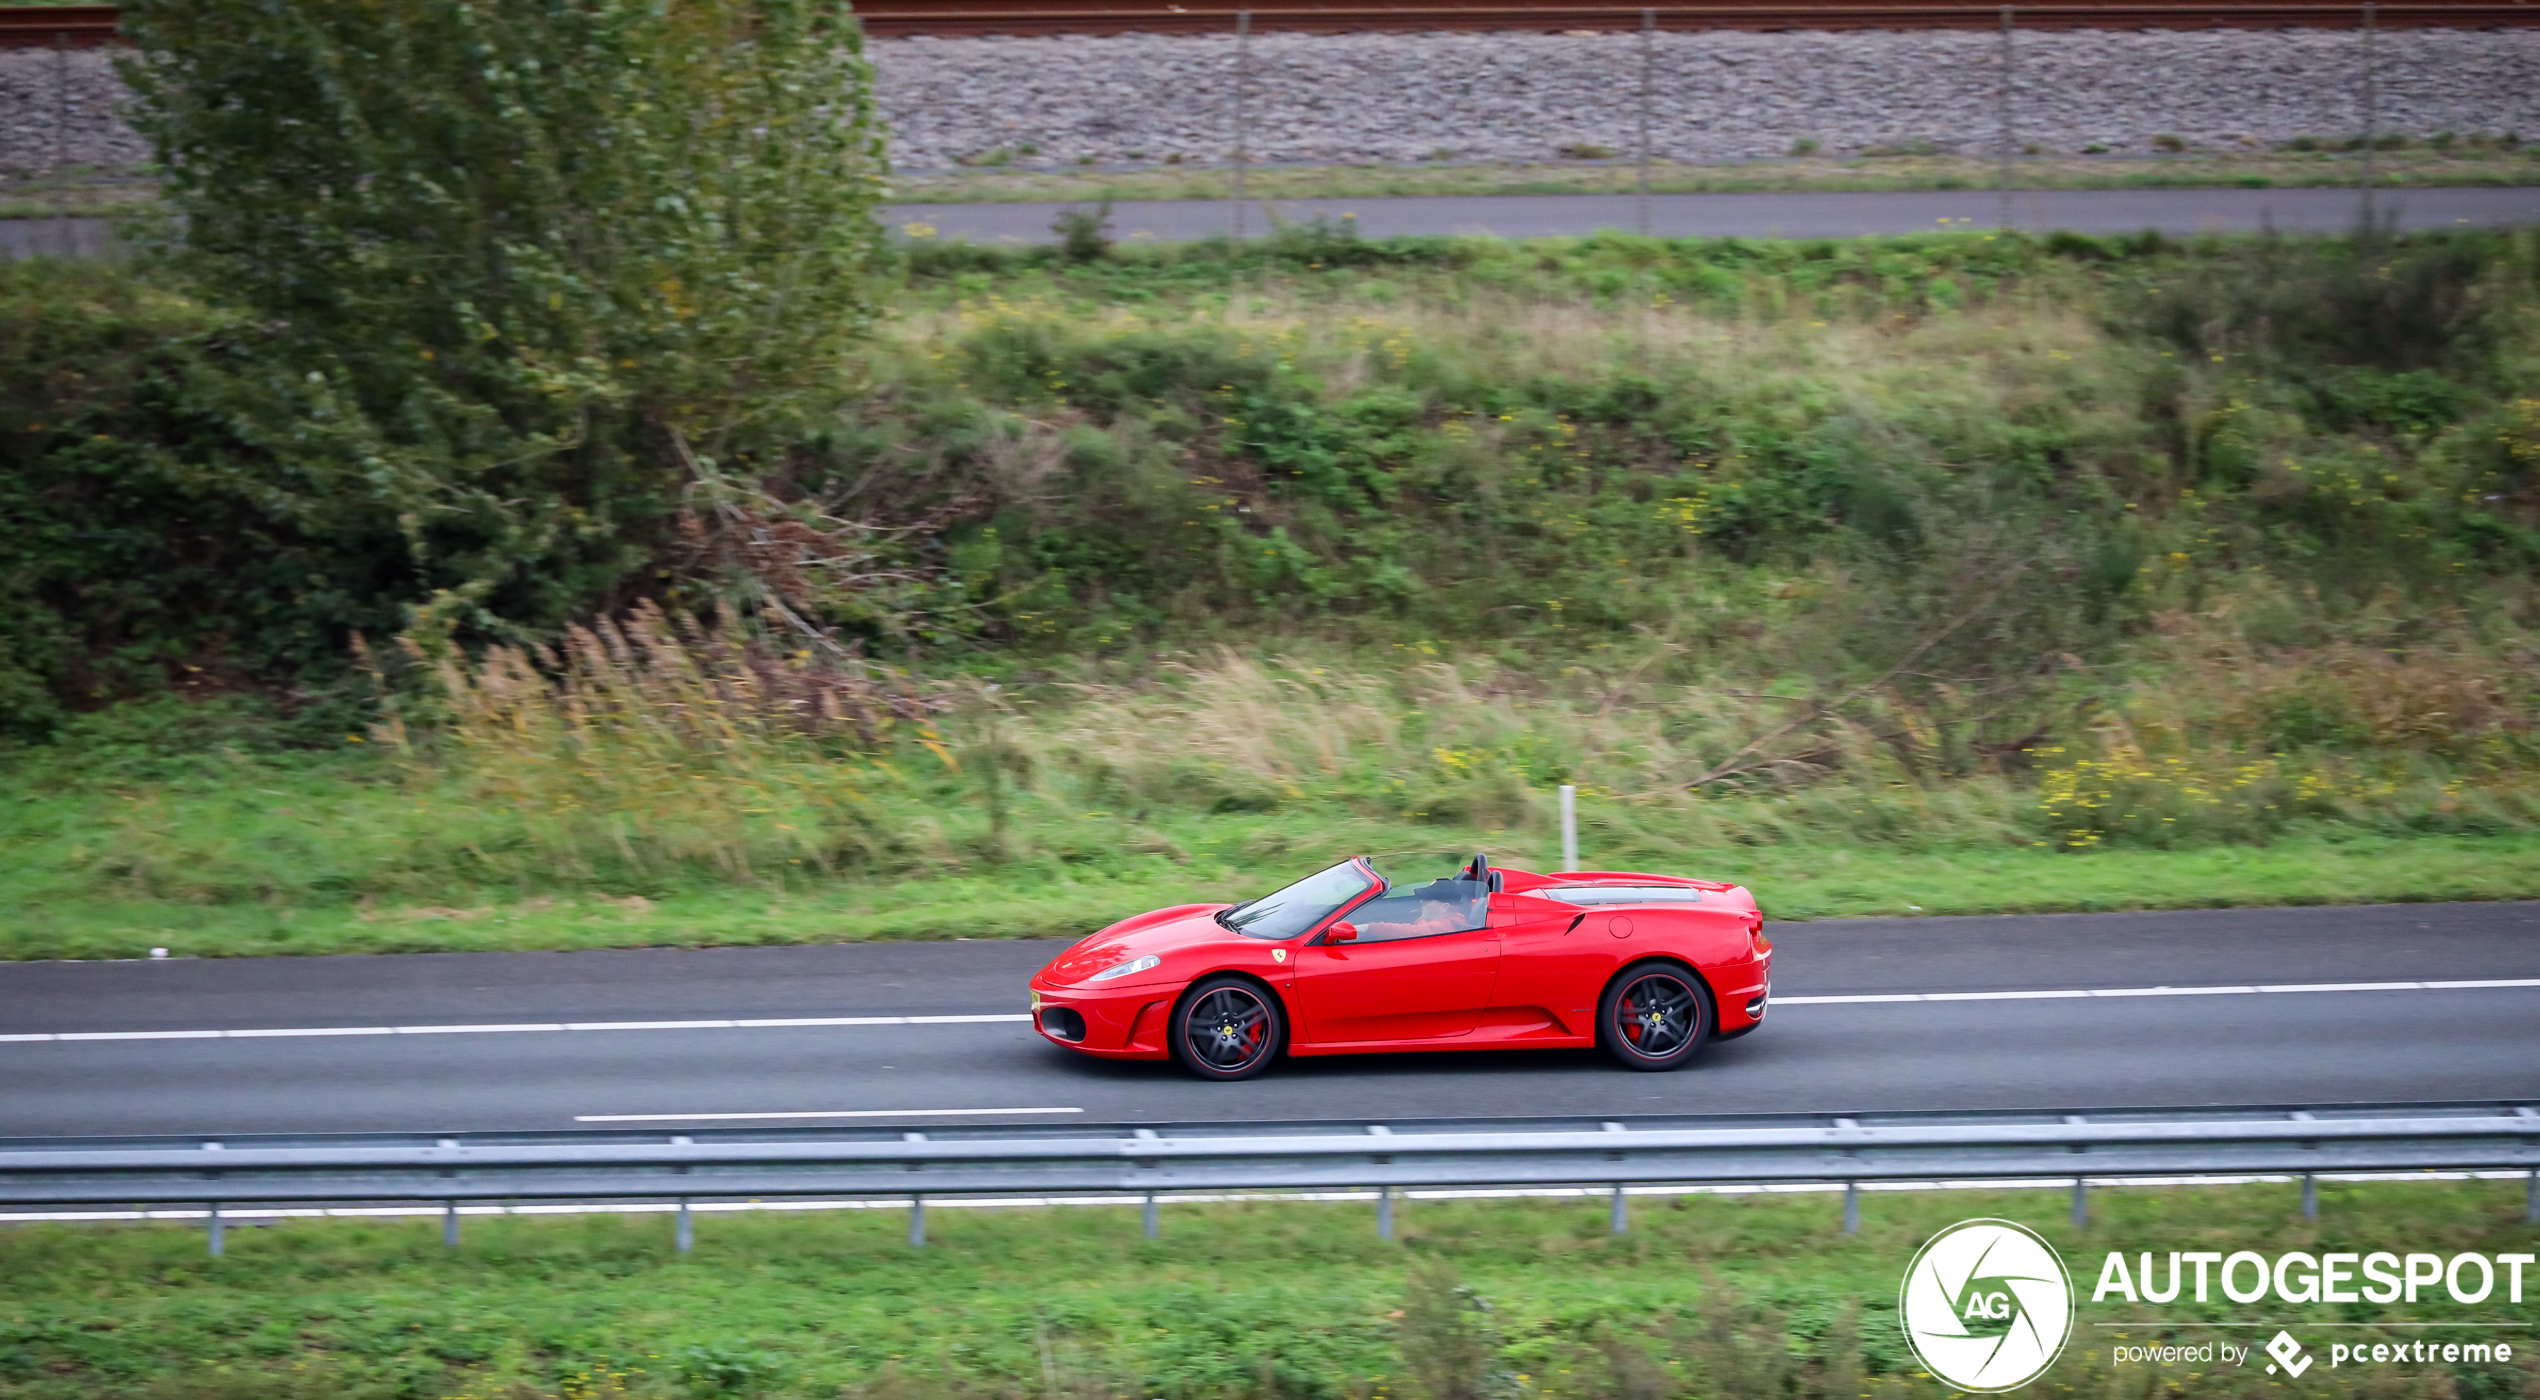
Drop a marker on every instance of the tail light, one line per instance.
(1755, 933)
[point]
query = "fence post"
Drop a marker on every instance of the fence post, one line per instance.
(1569, 827)
(1851, 1207)
(1243, 74)
(2081, 1203)
(2531, 1199)
(213, 1232)
(916, 1221)
(62, 141)
(2310, 1197)
(1384, 1213)
(449, 1224)
(687, 1232)
(1648, 61)
(1621, 1219)
(2372, 107)
(1155, 1225)
(2002, 110)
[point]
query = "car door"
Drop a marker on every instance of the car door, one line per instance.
(1402, 979)
(1553, 960)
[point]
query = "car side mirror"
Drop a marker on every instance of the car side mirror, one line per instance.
(1341, 932)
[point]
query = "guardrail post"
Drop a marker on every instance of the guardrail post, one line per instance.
(687, 1232)
(1622, 1219)
(1384, 1213)
(2531, 1199)
(1154, 1224)
(1569, 827)
(2081, 1204)
(449, 1224)
(213, 1232)
(1851, 1207)
(916, 1221)
(1648, 61)
(2310, 1197)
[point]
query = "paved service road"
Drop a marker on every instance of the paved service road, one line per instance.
(1813, 215)
(2291, 1046)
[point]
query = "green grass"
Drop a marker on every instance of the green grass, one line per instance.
(1960, 572)
(1742, 1298)
(2414, 167)
(1801, 882)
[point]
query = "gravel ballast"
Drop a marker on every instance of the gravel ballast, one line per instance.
(1718, 96)
(1052, 102)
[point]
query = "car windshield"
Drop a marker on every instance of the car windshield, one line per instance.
(1301, 906)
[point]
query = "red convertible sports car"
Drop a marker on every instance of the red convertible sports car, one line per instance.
(1406, 953)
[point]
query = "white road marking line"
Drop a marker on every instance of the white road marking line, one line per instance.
(816, 1113)
(776, 1023)
(2285, 989)
(1022, 1018)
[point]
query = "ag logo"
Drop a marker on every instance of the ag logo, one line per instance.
(1986, 1305)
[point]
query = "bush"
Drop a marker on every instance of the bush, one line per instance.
(517, 272)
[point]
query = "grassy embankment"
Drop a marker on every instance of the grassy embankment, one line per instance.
(1739, 1298)
(1955, 572)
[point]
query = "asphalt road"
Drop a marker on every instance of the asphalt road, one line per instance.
(1812, 215)
(2059, 1053)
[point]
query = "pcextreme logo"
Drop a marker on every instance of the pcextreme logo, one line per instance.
(1986, 1305)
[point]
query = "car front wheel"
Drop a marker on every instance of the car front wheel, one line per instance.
(1227, 1028)
(1655, 1016)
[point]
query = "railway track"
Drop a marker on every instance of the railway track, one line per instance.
(89, 26)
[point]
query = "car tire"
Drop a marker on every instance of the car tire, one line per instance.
(1226, 1028)
(1647, 1005)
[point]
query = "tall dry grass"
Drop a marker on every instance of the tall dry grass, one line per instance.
(650, 746)
(662, 742)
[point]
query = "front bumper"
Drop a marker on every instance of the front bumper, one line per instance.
(1126, 1023)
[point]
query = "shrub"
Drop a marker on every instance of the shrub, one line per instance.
(510, 266)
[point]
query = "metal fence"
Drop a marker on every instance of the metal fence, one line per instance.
(1157, 1162)
(2004, 143)
(1241, 110)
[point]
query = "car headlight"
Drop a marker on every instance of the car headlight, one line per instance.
(1124, 969)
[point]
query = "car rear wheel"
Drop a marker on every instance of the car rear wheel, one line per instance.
(1655, 1016)
(1227, 1028)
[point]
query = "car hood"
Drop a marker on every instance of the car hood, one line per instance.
(1160, 932)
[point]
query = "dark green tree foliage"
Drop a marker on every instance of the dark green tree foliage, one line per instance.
(521, 272)
(146, 542)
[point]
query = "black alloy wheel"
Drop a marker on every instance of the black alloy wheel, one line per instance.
(1655, 1015)
(1227, 1028)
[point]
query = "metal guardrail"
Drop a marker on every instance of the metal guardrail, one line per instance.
(620, 1165)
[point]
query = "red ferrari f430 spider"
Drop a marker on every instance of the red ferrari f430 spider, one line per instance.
(1411, 953)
